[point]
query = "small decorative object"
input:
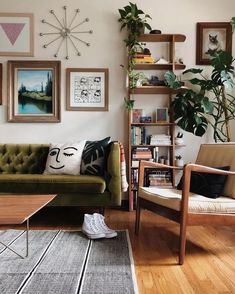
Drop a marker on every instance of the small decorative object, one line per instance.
(155, 32)
(66, 32)
(16, 34)
(156, 82)
(87, 89)
(162, 61)
(162, 114)
(179, 139)
(145, 119)
(179, 161)
(212, 37)
(34, 91)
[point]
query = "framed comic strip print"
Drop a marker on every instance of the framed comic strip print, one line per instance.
(87, 89)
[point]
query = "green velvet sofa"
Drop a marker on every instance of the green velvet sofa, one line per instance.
(21, 172)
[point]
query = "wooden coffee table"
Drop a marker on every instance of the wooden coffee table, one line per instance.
(17, 209)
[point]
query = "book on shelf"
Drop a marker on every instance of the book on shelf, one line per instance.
(138, 135)
(142, 153)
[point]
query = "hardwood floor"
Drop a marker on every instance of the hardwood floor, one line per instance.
(210, 253)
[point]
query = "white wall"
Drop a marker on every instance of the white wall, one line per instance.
(106, 50)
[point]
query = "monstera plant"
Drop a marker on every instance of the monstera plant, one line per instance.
(210, 102)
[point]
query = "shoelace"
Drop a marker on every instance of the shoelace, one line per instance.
(103, 224)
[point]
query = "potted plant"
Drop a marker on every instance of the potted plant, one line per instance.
(179, 161)
(209, 102)
(134, 20)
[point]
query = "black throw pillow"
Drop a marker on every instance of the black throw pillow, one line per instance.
(206, 184)
(94, 156)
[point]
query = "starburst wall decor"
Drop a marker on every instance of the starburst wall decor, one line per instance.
(66, 33)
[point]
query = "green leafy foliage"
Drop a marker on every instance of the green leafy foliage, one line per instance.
(208, 104)
(233, 23)
(135, 21)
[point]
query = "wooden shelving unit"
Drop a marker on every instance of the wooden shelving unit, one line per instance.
(171, 39)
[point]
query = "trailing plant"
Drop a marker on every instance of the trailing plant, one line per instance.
(129, 103)
(134, 20)
(210, 103)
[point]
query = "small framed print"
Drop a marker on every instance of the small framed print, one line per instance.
(162, 114)
(16, 34)
(87, 89)
(212, 37)
(33, 91)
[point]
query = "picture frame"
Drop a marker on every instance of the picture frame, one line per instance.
(0, 83)
(16, 34)
(33, 91)
(212, 37)
(87, 89)
(162, 115)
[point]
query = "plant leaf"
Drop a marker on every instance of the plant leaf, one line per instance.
(193, 70)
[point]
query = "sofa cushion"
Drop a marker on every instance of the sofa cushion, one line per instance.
(23, 158)
(50, 184)
(207, 184)
(94, 156)
(64, 158)
(171, 198)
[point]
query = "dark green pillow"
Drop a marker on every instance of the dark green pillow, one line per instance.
(93, 157)
(206, 184)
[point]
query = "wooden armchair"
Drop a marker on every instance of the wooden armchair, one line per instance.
(188, 208)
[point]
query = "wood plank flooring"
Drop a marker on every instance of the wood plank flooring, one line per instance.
(210, 255)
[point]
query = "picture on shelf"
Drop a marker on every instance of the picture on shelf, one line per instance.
(136, 115)
(162, 114)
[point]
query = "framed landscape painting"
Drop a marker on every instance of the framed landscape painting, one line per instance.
(212, 37)
(33, 91)
(87, 89)
(16, 34)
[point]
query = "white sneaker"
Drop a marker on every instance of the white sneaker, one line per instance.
(91, 229)
(99, 220)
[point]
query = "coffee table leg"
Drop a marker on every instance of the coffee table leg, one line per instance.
(27, 242)
(27, 238)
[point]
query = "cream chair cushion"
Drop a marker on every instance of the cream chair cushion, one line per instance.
(215, 155)
(171, 198)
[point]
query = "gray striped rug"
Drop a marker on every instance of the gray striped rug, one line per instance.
(66, 262)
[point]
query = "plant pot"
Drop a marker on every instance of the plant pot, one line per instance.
(179, 162)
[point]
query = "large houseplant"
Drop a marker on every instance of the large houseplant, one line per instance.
(210, 101)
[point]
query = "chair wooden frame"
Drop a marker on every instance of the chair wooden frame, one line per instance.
(183, 217)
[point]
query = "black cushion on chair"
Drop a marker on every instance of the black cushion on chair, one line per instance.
(206, 184)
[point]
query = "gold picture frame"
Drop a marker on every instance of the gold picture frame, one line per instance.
(87, 89)
(33, 91)
(16, 34)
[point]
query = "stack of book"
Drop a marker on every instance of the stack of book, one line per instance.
(142, 153)
(160, 140)
(158, 177)
(141, 57)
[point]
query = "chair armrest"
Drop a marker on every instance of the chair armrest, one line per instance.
(114, 174)
(188, 168)
(146, 164)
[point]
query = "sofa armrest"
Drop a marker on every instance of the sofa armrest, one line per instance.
(114, 174)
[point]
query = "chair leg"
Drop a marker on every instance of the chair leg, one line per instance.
(137, 218)
(182, 244)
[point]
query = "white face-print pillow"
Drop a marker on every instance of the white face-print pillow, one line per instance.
(65, 158)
